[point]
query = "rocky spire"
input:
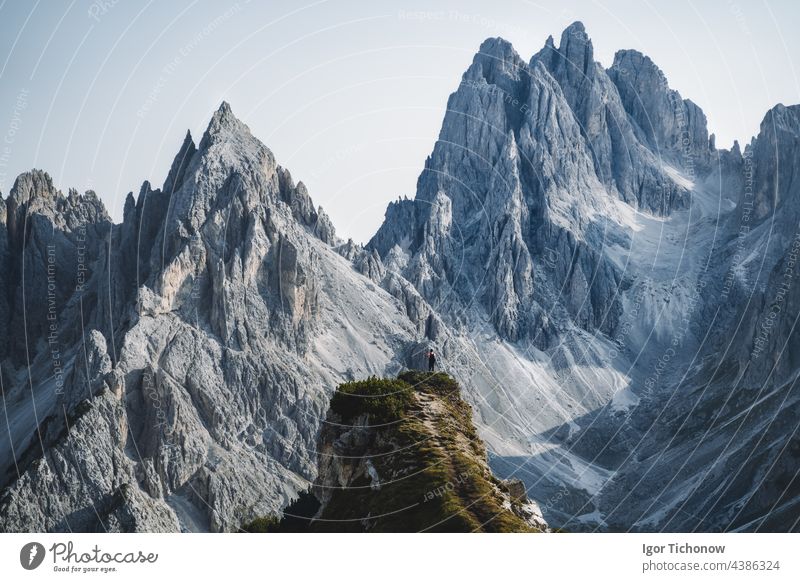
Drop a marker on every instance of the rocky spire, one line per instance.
(495, 61)
(180, 164)
(223, 122)
(576, 50)
(573, 60)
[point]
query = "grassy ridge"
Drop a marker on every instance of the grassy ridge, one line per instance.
(419, 439)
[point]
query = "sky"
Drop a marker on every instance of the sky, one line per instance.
(348, 95)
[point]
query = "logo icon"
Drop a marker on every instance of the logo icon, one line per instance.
(31, 555)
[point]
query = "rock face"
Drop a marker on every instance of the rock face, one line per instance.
(630, 141)
(726, 453)
(616, 297)
(517, 180)
(672, 127)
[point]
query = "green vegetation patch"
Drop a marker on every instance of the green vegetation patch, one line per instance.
(385, 400)
(268, 524)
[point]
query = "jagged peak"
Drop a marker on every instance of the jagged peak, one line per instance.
(182, 160)
(224, 116)
(35, 191)
(496, 46)
(575, 52)
(222, 122)
(144, 191)
(188, 141)
(782, 116)
(635, 63)
(31, 184)
(627, 60)
(130, 204)
(576, 26)
(225, 108)
(576, 46)
(575, 30)
(496, 57)
(90, 196)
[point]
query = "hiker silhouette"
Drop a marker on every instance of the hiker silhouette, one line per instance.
(431, 360)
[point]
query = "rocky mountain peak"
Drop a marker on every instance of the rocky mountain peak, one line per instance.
(32, 185)
(496, 46)
(576, 29)
(219, 297)
(34, 193)
(228, 142)
(782, 117)
(179, 165)
(672, 127)
(576, 47)
(497, 64)
(224, 125)
(224, 117)
(574, 57)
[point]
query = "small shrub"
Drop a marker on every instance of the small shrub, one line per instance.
(385, 400)
(261, 525)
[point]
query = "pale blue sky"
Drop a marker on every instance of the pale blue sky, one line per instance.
(348, 95)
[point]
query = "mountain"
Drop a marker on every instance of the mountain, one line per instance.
(196, 350)
(616, 296)
(404, 456)
(581, 222)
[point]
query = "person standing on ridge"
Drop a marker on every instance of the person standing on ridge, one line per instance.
(431, 360)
